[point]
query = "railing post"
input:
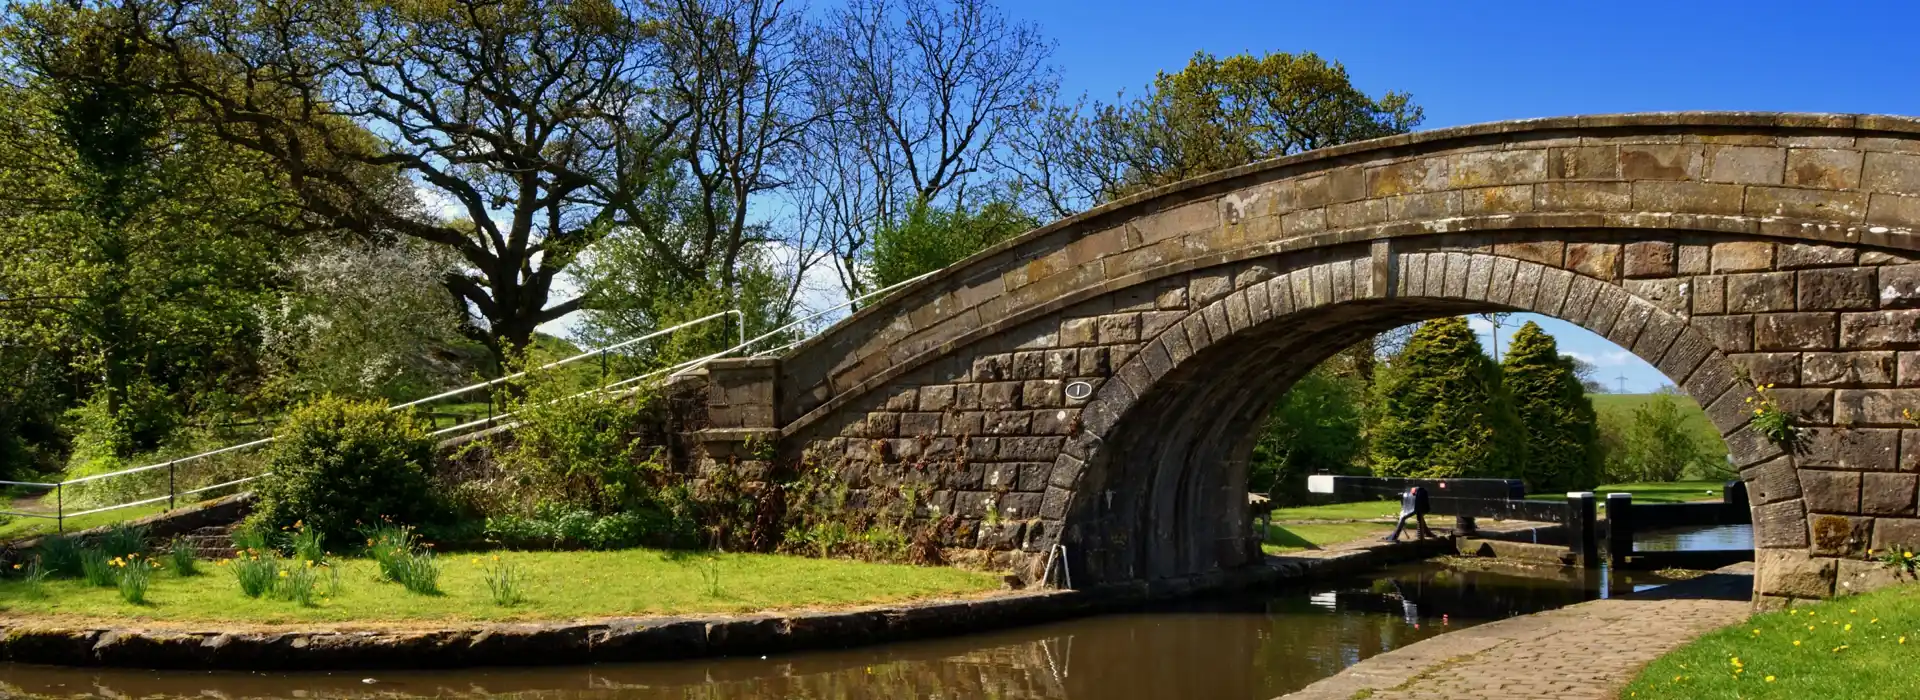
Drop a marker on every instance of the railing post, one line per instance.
(173, 488)
(1581, 540)
(603, 368)
(1619, 529)
(60, 508)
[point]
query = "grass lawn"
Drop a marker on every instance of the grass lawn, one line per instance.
(558, 585)
(1856, 648)
(1294, 538)
(1358, 510)
(21, 528)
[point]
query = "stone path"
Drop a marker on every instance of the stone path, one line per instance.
(1585, 651)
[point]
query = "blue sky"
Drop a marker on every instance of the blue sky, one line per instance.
(1469, 62)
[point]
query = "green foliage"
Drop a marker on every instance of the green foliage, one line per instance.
(505, 582)
(96, 566)
(123, 541)
(180, 558)
(340, 464)
(403, 559)
(1900, 559)
(1770, 419)
(132, 575)
(256, 571)
(933, 237)
(1315, 428)
(556, 526)
(1657, 445)
(60, 556)
(298, 582)
(1563, 440)
(1442, 410)
(1215, 113)
(308, 543)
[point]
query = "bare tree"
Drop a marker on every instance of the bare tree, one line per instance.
(918, 93)
(525, 129)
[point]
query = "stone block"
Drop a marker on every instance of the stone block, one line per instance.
(1888, 493)
(1892, 210)
(1830, 491)
(1042, 393)
(919, 424)
(1742, 256)
(1772, 481)
(1780, 525)
(1794, 256)
(1897, 173)
(1876, 330)
(1795, 331)
(1416, 175)
(1543, 252)
(1909, 368)
(1747, 446)
(1683, 354)
(1760, 291)
(1862, 576)
(1871, 449)
(1853, 369)
(1769, 367)
(1824, 168)
(1795, 203)
(1670, 294)
(1596, 260)
(1839, 535)
(1874, 406)
(1710, 294)
(1835, 289)
(1689, 197)
(1694, 260)
(1079, 331)
(1747, 165)
(1583, 163)
(1661, 161)
(1030, 364)
(1793, 573)
(1510, 199)
(1649, 259)
(1899, 286)
(1486, 168)
(1728, 333)
(1582, 196)
(1903, 533)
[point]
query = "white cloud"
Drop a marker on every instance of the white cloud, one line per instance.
(1616, 358)
(1479, 324)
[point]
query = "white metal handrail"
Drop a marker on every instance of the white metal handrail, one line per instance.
(672, 371)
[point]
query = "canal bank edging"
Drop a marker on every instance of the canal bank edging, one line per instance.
(181, 646)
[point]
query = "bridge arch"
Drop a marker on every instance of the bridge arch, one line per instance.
(1778, 244)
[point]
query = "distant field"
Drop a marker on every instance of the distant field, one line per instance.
(1617, 410)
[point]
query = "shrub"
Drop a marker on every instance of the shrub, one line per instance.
(180, 557)
(97, 567)
(124, 541)
(1563, 432)
(297, 582)
(401, 559)
(60, 556)
(554, 526)
(256, 572)
(131, 576)
(337, 464)
(309, 544)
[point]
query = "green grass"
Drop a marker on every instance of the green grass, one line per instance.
(1358, 510)
(22, 528)
(556, 585)
(1866, 661)
(1294, 538)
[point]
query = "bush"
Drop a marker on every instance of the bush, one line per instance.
(1563, 432)
(256, 572)
(554, 526)
(1442, 411)
(339, 464)
(401, 560)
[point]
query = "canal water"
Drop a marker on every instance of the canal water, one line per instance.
(1247, 647)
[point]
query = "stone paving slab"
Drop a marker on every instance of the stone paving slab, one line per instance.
(1585, 651)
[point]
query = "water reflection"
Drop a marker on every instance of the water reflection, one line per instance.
(1253, 647)
(1695, 538)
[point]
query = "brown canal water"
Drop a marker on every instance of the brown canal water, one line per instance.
(1246, 647)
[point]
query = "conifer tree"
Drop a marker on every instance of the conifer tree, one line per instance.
(1442, 411)
(1563, 434)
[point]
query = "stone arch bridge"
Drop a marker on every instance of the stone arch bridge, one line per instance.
(1723, 248)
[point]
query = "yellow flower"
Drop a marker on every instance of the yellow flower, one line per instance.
(1903, 640)
(1796, 642)
(1908, 555)
(283, 574)
(1769, 679)
(1749, 399)
(1837, 649)
(1848, 628)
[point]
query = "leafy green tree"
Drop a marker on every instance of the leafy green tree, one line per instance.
(139, 245)
(934, 237)
(1315, 428)
(1216, 113)
(1656, 445)
(339, 466)
(1443, 412)
(1563, 442)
